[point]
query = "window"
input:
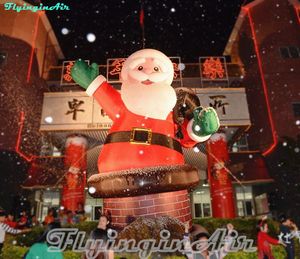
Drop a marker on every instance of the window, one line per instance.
(3, 58)
(93, 207)
(284, 52)
(241, 144)
(244, 198)
(290, 52)
(202, 210)
(294, 52)
(201, 200)
(206, 210)
(198, 210)
(296, 109)
(97, 212)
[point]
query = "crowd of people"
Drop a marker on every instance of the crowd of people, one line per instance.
(63, 216)
(288, 232)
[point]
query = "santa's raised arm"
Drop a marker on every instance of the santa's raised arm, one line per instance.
(142, 143)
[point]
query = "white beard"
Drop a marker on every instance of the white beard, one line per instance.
(154, 101)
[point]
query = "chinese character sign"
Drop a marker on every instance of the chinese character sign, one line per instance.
(218, 102)
(66, 78)
(114, 67)
(74, 108)
(213, 68)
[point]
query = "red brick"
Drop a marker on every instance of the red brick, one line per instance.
(151, 210)
(146, 203)
(132, 204)
(187, 218)
(167, 194)
(182, 212)
(185, 204)
(110, 205)
(163, 208)
(159, 201)
(127, 212)
(173, 213)
(151, 196)
(140, 198)
(182, 197)
(181, 219)
(115, 213)
(140, 211)
(177, 205)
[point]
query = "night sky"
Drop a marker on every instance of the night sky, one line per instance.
(188, 29)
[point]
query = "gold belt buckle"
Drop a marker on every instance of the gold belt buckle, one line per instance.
(133, 136)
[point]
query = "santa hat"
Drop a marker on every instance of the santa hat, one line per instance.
(137, 57)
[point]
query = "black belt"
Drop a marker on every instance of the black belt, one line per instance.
(144, 137)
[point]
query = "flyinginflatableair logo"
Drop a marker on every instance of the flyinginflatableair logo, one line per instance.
(25, 7)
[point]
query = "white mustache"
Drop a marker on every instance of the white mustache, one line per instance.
(154, 77)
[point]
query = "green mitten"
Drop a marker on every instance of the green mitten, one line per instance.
(206, 121)
(83, 74)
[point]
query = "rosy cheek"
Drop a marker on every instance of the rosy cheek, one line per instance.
(132, 80)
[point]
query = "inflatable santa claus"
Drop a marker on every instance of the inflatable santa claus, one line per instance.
(141, 154)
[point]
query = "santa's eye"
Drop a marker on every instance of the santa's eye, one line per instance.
(156, 69)
(140, 68)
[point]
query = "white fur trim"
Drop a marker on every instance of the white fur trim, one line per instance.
(218, 136)
(95, 85)
(77, 141)
(192, 135)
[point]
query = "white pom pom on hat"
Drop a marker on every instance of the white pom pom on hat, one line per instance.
(149, 53)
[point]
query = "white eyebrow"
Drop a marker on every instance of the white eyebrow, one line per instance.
(161, 65)
(136, 62)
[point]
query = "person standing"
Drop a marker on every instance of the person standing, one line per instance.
(49, 218)
(23, 221)
(203, 238)
(80, 213)
(40, 248)
(10, 221)
(101, 233)
(4, 228)
(288, 231)
(264, 241)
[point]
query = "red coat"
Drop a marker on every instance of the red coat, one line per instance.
(125, 155)
(263, 245)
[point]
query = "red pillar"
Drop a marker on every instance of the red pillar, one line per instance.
(75, 177)
(221, 190)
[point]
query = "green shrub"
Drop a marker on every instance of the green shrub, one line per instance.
(71, 255)
(17, 252)
(29, 238)
(13, 252)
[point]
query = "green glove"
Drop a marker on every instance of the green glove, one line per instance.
(83, 74)
(206, 121)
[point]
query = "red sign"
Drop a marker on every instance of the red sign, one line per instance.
(66, 78)
(213, 68)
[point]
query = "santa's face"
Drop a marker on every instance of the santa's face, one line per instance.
(146, 88)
